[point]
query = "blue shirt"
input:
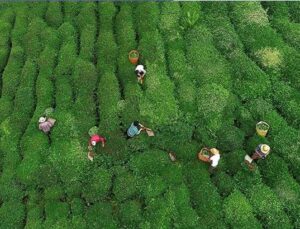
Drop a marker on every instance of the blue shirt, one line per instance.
(132, 131)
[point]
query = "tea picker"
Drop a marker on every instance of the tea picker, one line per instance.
(94, 139)
(210, 155)
(45, 122)
(140, 73)
(136, 128)
(261, 152)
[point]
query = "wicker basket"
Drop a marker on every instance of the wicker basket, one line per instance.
(203, 155)
(133, 56)
(260, 131)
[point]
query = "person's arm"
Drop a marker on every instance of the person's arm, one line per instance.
(103, 143)
(90, 147)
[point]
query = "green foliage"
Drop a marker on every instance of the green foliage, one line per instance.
(86, 16)
(98, 185)
(267, 207)
(213, 71)
(230, 138)
(124, 186)
(54, 15)
(238, 212)
(205, 199)
(109, 101)
(12, 214)
(153, 161)
(130, 213)
(100, 215)
(55, 211)
(54, 193)
(147, 17)
(191, 13)
(10, 79)
(208, 65)
(152, 186)
(294, 8)
(32, 40)
(224, 183)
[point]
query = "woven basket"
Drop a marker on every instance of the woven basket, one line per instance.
(133, 60)
(260, 131)
(203, 155)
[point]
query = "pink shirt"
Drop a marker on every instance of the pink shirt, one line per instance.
(97, 139)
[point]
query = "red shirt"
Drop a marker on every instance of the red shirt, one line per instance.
(97, 139)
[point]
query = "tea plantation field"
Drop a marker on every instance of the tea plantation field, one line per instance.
(213, 71)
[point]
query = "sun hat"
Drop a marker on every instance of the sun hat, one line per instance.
(265, 148)
(214, 151)
(42, 119)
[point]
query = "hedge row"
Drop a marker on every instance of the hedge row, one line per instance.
(34, 143)
(179, 72)
(12, 130)
(67, 157)
(266, 47)
(37, 10)
(86, 23)
(54, 15)
(239, 212)
(71, 10)
(106, 47)
(216, 104)
(109, 95)
(281, 98)
(279, 17)
(84, 108)
(160, 185)
(158, 106)
(34, 209)
(250, 81)
(271, 215)
(10, 81)
(280, 136)
(204, 196)
(6, 25)
(125, 38)
(21, 25)
(294, 8)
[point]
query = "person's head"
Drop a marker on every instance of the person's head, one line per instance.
(214, 151)
(93, 143)
(42, 119)
(136, 123)
(265, 148)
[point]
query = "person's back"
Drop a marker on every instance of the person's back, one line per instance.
(140, 69)
(140, 73)
(132, 130)
(46, 124)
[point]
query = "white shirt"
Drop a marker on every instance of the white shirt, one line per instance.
(215, 160)
(140, 68)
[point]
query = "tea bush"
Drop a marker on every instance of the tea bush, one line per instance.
(100, 215)
(125, 185)
(238, 212)
(130, 213)
(98, 186)
(54, 15)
